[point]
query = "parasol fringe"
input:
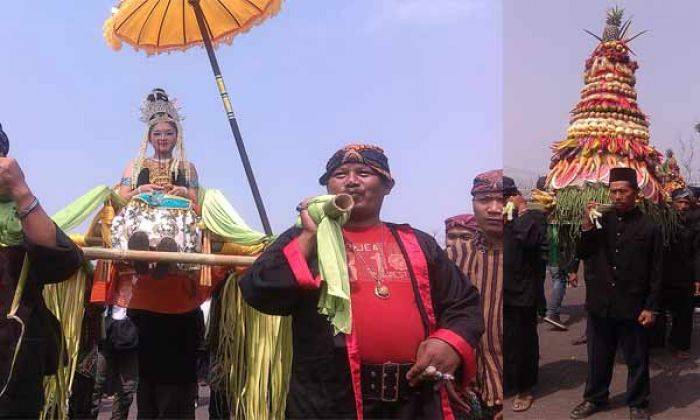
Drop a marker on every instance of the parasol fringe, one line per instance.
(114, 39)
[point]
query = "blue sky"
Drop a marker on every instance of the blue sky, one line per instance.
(422, 79)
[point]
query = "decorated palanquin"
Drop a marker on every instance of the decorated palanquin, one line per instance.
(221, 232)
(253, 351)
(164, 244)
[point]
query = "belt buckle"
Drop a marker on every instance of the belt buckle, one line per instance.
(386, 371)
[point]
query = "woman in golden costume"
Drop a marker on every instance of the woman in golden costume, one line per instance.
(161, 213)
(161, 190)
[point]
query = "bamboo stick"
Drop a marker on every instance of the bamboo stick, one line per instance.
(96, 253)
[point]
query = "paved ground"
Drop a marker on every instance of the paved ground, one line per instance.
(675, 385)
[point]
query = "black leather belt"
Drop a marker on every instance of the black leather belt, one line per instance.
(386, 382)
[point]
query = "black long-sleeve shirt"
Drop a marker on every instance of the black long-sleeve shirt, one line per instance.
(623, 265)
(524, 248)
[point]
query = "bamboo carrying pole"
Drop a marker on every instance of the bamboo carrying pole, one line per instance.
(95, 253)
(204, 29)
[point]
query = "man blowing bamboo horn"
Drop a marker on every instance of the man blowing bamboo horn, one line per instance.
(623, 268)
(416, 318)
(26, 230)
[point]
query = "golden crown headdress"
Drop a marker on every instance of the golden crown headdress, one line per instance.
(157, 106)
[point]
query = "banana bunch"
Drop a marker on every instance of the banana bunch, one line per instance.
(544, 198)
(508, 210)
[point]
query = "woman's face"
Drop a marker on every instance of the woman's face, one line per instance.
(163, 137)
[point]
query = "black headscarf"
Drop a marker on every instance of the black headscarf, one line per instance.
(4, 143)
(679, 193)
(372, 156)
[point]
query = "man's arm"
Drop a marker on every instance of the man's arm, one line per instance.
(458, 315)
(52, 255)
(590, 239)
(276, 280)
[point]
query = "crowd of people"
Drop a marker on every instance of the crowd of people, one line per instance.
(632, 280)
(436, 331)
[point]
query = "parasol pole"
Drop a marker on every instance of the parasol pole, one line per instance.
(203, 28)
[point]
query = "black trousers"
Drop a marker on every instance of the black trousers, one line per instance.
(604, 335)
(167, 359)
(521, 352)
(165, 401)
(680, 305)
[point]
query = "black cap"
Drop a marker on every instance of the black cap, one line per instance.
(624, 174)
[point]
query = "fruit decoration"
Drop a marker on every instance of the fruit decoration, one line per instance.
(607, 128)
(670, 174)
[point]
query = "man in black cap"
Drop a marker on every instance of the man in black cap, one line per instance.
(680, 260)
(623, 266)
(524, 248)
(416, 319)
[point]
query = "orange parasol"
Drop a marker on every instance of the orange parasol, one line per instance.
(157, 26)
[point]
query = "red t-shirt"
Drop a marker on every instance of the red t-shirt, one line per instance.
(387, 330)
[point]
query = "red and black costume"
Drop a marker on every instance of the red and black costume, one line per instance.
(341, 376)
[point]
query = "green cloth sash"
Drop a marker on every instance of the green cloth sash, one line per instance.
(219, 216)
(10, 226)
(334, 302)
(83, 207)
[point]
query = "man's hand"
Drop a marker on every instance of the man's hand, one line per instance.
(12, 183)
(149, 188)
(587, 223)
(436, 353)
(307, 238)
(519, 203)
(179, 191)
(573, 279)
(697, 288)
(646, 318)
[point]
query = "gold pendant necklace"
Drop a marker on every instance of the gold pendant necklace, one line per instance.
(381, 290)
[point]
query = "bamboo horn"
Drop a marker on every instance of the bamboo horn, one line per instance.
(95, 253)
(340, 204)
